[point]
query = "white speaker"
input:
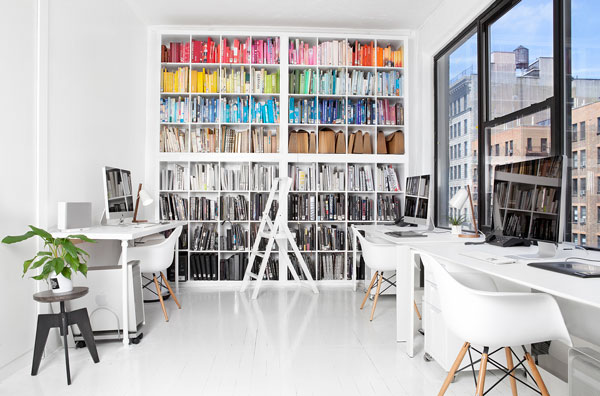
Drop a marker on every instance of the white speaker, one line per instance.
(74, 215)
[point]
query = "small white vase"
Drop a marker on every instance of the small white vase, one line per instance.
(456, 229)
(60, 284)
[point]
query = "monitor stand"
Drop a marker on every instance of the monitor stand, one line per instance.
(546, 250)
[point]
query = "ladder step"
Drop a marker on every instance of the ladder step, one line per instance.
(253, 275)
(260, 254)
(265, 234)
(280, 236)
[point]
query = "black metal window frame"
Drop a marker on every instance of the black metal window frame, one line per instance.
(557, 105)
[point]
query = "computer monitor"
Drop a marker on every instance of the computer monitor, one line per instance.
(416, 200)
(118, 196)
(526, 199)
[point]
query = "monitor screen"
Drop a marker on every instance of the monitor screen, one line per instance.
(117, 193)
(416, 200)
(526, 199)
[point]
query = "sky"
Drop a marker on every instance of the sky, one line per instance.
(529, 23)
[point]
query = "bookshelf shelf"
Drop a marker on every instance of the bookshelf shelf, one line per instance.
(318, 259)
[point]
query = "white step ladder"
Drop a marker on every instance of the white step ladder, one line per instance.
(279, 232)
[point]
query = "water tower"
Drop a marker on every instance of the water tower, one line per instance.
(521, 57)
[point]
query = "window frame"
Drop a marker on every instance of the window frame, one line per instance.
(556, 104)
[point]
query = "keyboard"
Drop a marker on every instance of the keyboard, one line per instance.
(490, 258)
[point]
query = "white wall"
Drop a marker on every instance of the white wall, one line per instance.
(97, 110)
(17, 176)
(443, 25)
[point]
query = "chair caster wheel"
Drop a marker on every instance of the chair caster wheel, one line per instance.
(427, 357)
(422, 332)
(80, 344)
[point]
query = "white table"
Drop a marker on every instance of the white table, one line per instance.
(125, 233)
(405, 271)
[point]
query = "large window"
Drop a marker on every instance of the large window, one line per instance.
(456, 76)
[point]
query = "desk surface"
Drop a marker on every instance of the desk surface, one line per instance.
(438, 235)
(119, 232)
(572, 288)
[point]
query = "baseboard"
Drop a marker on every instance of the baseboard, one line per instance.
(16, 365)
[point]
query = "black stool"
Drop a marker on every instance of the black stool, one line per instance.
(62, 320)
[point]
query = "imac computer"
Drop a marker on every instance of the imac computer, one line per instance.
(526, 203)
(416, 200)
(118, 194)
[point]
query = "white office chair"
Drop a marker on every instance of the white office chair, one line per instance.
(497, 319)
(156, 258)
(379, 256)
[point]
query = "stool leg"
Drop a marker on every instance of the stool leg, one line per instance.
(44, 324)
(162, 303)
(82, 320)
(64, 327)
(164, 278)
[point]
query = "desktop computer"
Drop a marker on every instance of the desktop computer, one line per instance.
(118, 194)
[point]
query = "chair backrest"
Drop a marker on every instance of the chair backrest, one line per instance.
(158, 257)
(496, 318)
(378, 255)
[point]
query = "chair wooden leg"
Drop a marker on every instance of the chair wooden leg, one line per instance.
(376, 295)
(510, 365)
(162, 303)
(369, 290)
(164, 278)
(536, 375)
(457, 362)
(482, 370)
(417, 311)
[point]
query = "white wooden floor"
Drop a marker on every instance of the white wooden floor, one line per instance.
(288, 342)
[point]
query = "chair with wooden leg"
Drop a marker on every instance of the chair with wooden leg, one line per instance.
(378, 255)
(155, 259)
(497, 319)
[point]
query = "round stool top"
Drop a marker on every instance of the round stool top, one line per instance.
(49, 297)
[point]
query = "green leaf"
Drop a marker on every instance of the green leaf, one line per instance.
(70, 248)
(42, 233)
(18, 238)
(26, 265)
(66, 272)
(82, 237)
(58, 265)
(73, 262)
(40, 277)
(40, 262)
(82, 252)
(83, 268)
(42, 253)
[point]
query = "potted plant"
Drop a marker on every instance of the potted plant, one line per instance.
(59, 259)
(456, 222)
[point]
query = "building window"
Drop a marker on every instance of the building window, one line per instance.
(544, 145)
(574, 132)
(582, 186)
(529, 144)
(582, 130)
(583, 239)
(574, 188)
(598, 126)
(597, 214)
(465, 171)
(575, 160)
(458, 129)
(598, 185)
(582, 159)
(497, 147)
(506, 148)
(576, 239)
(582, 215)
(598, 154)
(575, 217)
(511, 148)
(466, 123)
(466, 154)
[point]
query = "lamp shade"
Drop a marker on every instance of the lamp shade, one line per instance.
(145, 198)
(459, 199)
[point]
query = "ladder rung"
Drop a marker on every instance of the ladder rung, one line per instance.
(265, 234)
(253, 275)
(260, 254)
(280, 236)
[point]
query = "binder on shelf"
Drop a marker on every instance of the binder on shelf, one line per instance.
(381, 144)
(358, 143)
(340, 143)
(327, 141)
(395, 143)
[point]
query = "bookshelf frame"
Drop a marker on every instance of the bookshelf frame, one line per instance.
(156, 160)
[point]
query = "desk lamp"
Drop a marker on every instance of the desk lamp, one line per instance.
(146, 200)
(458, 202)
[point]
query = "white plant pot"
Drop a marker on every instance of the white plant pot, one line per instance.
(456, 229)
(60, 284)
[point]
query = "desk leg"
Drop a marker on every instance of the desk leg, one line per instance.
(177, 266)
(405, 295)
(125, 293)
(354, 252)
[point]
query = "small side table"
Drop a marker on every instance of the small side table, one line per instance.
(62, 320)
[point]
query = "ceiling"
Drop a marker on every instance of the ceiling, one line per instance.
(355, 14)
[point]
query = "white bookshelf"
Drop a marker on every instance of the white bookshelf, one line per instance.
(282, 158)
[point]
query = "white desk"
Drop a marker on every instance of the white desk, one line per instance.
(126, 233)
(405, 271)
